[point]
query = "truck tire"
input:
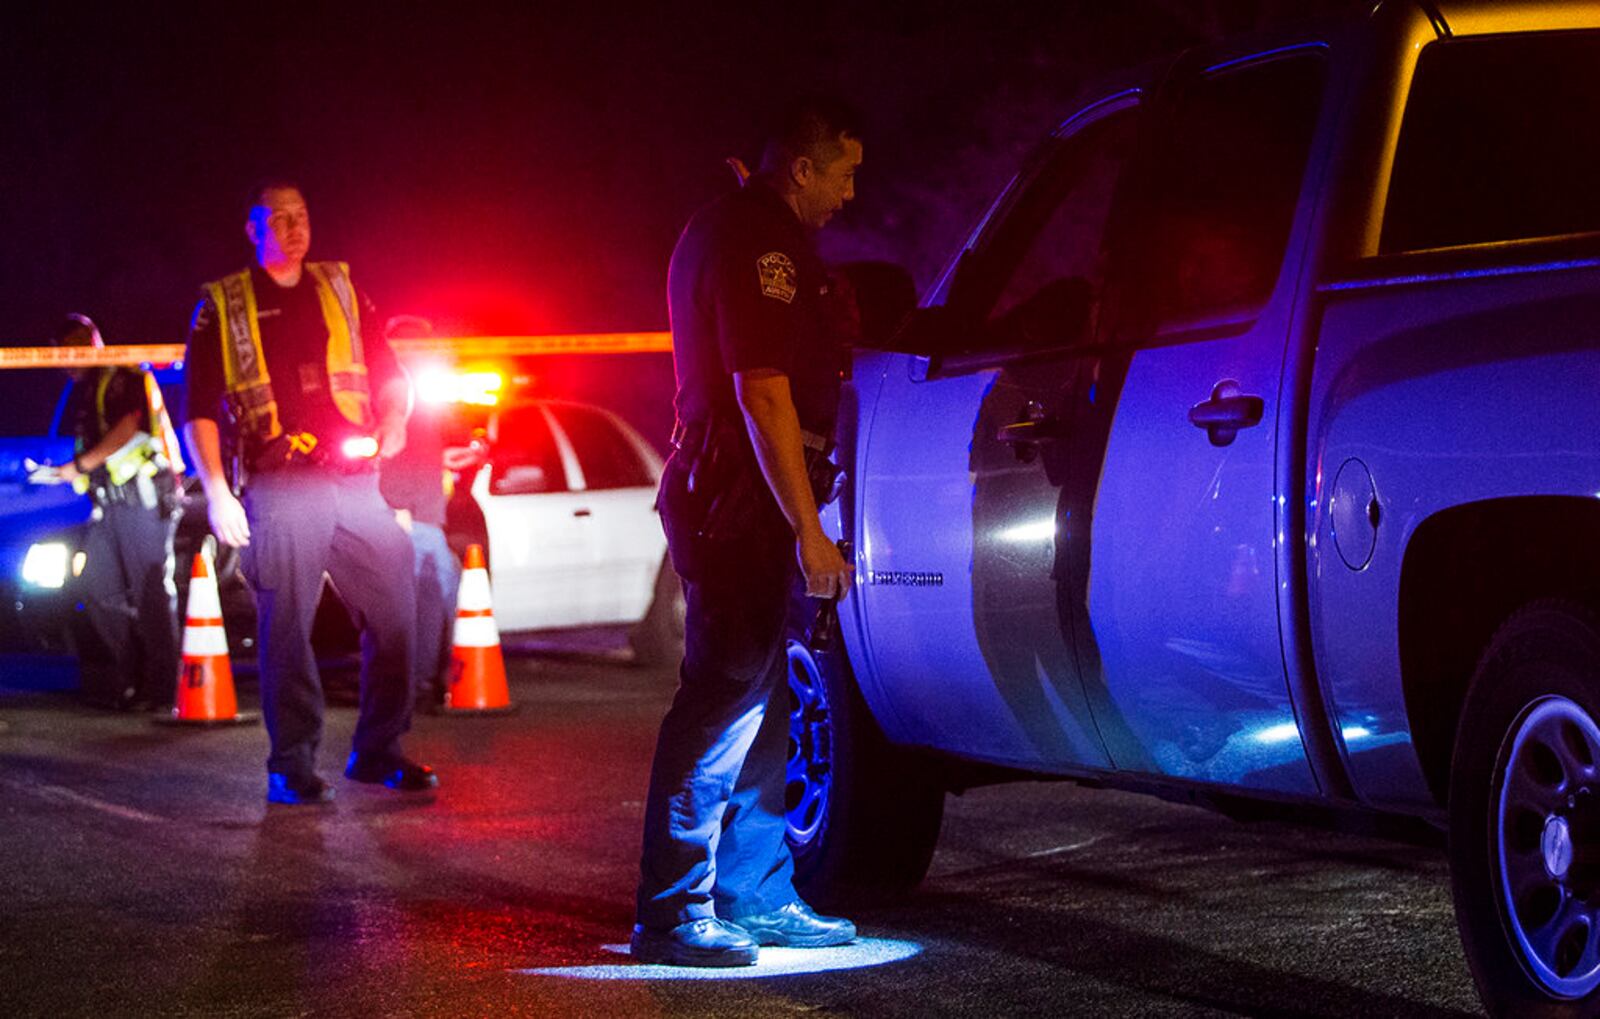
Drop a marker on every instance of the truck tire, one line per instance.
(657, 639)
(863, 816)
(1525, 816)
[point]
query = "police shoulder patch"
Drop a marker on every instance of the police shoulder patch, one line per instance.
(779, 278)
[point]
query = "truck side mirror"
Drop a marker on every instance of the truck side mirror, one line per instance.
(884, 295)
(926, 332)
(1056, 315)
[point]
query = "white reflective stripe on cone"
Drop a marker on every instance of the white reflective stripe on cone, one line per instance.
(474, 596)
(204, 642)
(204, 603)
(477, 631)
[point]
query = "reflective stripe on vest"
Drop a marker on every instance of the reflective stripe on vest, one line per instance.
(153, 446)
(245, 366)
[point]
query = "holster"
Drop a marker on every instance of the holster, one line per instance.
(160, 491)
(724, 490)
(291, 449)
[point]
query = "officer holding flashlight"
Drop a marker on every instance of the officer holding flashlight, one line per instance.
(292, 356)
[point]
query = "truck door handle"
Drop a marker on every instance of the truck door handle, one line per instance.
(1226, 413)
(582, 513)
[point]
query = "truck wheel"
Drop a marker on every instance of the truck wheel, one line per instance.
(657, 639)
(862, 816)
(1525, 816)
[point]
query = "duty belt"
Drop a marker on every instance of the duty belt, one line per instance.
(691, 436)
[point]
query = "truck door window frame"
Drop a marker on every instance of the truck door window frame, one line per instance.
(1023, 214)
(1141, 291)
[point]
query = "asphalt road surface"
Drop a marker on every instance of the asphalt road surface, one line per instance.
(145, 875)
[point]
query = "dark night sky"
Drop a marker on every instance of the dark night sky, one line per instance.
(498, 168)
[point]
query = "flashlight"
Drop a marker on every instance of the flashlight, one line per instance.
(359, 447)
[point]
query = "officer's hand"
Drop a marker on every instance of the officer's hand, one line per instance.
(826, 572)
(228, 520)
(68, 472)
(391, 437)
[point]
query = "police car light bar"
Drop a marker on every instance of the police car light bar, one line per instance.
(435, 346)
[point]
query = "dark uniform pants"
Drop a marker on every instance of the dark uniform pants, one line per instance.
(304, 523)
(714, 819)
(131, 600)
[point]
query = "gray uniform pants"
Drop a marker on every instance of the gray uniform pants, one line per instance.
(131, 600)
(305, 522)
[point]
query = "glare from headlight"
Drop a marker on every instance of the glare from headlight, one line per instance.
(46, 564)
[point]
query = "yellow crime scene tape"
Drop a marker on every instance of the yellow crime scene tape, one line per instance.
(433, 346)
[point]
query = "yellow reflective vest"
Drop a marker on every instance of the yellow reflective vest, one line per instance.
(152, 449)
(245, 373)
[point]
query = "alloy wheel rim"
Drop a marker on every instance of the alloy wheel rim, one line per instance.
(808, 773)
(1547, 838)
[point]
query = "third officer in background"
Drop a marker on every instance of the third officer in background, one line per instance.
(291, 353)
(126, 457)
(417, 485)
(758, 364)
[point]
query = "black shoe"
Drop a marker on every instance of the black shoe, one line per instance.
(297, 790)
(706, 942)
(392, 770)
(797, 926)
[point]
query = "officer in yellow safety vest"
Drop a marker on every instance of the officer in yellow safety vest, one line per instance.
(126, 456)
(279, 352)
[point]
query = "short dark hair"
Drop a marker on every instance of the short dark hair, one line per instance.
(75, 330)
(258, 191)
(810, 126)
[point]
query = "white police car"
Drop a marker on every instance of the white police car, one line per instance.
(565, 505)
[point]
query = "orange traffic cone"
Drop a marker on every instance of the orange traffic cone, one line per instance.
(477, 669)
(205, 693)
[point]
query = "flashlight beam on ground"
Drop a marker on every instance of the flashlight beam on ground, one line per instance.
(773, 962)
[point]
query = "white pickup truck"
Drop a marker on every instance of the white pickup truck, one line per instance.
(1249, 453)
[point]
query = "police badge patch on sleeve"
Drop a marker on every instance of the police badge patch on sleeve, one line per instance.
(778, 276)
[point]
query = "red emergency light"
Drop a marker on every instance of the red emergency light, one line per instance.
(481, 388)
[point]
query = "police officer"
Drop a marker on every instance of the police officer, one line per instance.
(414, 484)
(758, 367)
(313, 397)
(127, 458)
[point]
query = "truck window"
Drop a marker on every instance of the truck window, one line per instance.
(1225, 183)
(525, 459)
(607, 457)
(1055, 237)
(1500, 142)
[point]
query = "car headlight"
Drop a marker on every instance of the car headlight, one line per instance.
(46, 564)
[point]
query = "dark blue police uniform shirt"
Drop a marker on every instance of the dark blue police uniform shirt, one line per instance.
(746, 290)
